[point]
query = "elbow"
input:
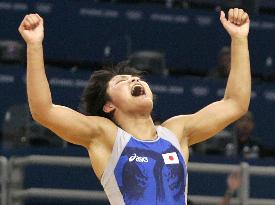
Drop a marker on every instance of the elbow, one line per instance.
(39, 113)
(36, 117)
(238, 108)
(241, 110)
(244, 106)
(39, 117)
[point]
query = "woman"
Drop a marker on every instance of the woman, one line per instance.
(136, 162)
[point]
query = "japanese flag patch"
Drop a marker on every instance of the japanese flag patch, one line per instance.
(170, 158)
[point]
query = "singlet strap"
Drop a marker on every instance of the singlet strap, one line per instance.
(122, 138)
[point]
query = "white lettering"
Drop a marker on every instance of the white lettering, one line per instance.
(269, 95)
(99, 13)
(44, 7)
(13, 6)
(65, 82)
(6, 78)
(169, 18)
(134, 15)
(20, 7)
(136, 158)
(200, 91)
(173, 89)
(263, 25)
(220, 92)
(5, 6)
(204, 20)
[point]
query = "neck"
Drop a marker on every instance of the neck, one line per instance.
(141, 127)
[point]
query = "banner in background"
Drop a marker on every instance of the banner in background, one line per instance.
(100, 32)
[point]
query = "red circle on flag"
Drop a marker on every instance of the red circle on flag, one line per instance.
(171, 158)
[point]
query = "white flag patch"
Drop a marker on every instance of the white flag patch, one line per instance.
(170, 158)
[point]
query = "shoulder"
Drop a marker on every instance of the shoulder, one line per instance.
(177, 125)
(104, 126)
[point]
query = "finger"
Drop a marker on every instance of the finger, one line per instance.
(222, 17)
(245, 17)
(30, 19)
(23, 21)
(230, 15)
(34, 19)
(27, 25)
(235, 15)
(29, 22)
(240, 14)
(22, 25)
(33, 22)
(40, 18)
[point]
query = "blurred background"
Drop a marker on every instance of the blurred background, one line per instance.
(186, 53)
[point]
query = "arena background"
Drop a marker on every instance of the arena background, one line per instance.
(178, 43)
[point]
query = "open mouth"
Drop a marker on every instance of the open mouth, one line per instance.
(137, 90)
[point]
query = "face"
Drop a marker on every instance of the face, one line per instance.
(244, 128)
(130, 94)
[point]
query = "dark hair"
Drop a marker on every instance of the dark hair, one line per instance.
(95, 94)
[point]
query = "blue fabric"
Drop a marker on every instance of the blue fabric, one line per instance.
(144, 178)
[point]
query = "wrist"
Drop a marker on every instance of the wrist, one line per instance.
(239, 39)
(229, 192)
(35, 45)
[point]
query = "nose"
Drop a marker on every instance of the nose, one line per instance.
(135, 79)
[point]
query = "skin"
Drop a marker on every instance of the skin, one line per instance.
(233, 183)
(97, 134)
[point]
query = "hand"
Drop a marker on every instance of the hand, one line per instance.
(32, 29)
(234, 181)
(237, 24)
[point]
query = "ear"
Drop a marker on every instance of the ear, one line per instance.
(108, 107)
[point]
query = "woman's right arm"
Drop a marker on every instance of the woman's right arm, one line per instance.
(65, 122)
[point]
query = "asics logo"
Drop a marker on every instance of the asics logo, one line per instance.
(136, 158)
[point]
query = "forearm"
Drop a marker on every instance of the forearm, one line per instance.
(39, 95)
(226, 199)
(238, 86)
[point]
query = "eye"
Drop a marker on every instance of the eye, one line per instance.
(142, 80)
(121, 80)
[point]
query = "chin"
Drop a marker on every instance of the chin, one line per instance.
(146, 106)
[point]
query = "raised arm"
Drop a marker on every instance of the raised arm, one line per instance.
(65, 122)
(216, 116)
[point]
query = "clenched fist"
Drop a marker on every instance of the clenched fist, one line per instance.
(32, 29)
(237, 24)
